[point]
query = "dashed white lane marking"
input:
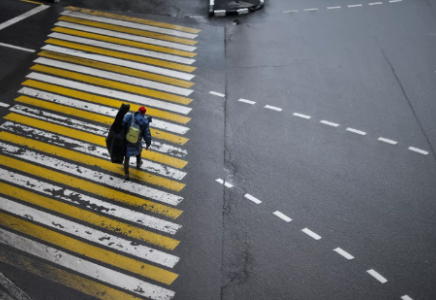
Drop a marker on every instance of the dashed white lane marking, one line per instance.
(310, 9)
(17, 48)
(393, 1)
(247, 101)
(417, 150)
(251, 198)
(290, 11)
(217, 94)
(4, 104)
(382, 139)
(226, 184)
(282, 216)
(356, 131)
(377, 276)
(333, 7)
(273, 107)
(311, 234)
(405, 297)
(12, 289)
(355, 5)
(375, 3)
(23, 16)
(329, 123)
(301, 116)
(343, 253)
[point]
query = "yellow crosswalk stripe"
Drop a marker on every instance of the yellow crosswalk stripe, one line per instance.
(153, 35)
(88, 250)
(87, 186)
(91, 161)
(103, 100)
(133, 19)
(111, 84)
(89, 217)
(97, 118)
(68, 279)
(123, 55)
(90, 138)
(123, 42)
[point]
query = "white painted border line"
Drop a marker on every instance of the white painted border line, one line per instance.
(333, 7)
(393, 1)
(311, 234)
(4, 104)
(125, 36)
(355, 5)
(417, 150)
(310, 9)
(226, 184)
(219, 180)
(12, 289)
(247, 101)
(252, 198)
(84, 267)
(344, 253)
(90, 234)
(130, 24)
(273, 107)
(377, 276)
(375, 3)
(356, 131)
(329, 123)
(23, 16)
(405, 297)
(17, 48)
(382, 139)
(290, 11)
(282, 216)
(302, 116)
(217, 94)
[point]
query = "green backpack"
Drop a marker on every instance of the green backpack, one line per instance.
(133, 133)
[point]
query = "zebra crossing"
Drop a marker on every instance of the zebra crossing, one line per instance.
(66, 212)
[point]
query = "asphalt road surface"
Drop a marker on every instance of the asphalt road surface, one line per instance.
(306, 169)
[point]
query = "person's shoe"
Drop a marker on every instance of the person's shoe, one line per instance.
(139, 164)
(127, 176)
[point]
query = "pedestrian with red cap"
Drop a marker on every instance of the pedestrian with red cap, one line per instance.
(137, 128)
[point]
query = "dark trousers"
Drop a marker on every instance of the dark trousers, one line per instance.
(127, 162)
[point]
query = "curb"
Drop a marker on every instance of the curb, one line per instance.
(232, 12)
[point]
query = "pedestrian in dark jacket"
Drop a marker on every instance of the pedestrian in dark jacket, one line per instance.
(137, 128)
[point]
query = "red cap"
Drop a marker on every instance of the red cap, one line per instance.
(142, 110)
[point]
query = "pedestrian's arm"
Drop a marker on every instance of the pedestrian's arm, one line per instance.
(147, 136)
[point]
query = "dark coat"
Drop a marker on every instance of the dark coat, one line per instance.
(116, 139)
(136, 149)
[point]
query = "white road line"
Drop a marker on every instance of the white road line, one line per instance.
(120, 62)
(114, 76)
(310, 9)
(247, 101)
(251, 198)
(343, 253)
(91, 128)
(88, 233)
(311, 234)
(405, 297)
(226, 184)
(333, 7)
(273, 107)
(110, 93)
(99, 109)
(125, 36)
(356, 131)
(23, 16)
(301, 116)
(130, 24)
(84, 267)
(86, 148)
(329, 123)
(417, 150)
(355, 5)
(84, 201)
(17, 48)
(88, 174)
(393, 1)
(382, 139)
(290, 11)
(377, 276)
(4, 104)
(219, 180)
(117, 47)
(282, 216)
(375, 3)
(217, 94)
(12, 289)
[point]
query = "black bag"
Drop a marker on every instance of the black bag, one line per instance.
(116, 139)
